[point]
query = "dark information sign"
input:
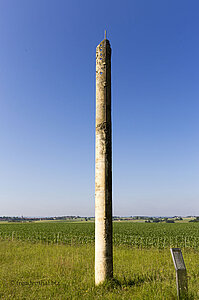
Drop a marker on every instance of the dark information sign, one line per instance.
(181, 273)
(178, 259)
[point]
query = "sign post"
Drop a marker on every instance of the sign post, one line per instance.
(181, 273)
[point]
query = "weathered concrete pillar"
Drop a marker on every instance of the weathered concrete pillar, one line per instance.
(103, 166)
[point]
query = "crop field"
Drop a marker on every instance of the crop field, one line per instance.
(55, 260)
(138, 235)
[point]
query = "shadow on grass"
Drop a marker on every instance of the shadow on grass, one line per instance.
(114, 283)
(138, 280)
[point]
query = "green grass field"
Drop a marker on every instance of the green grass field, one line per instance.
(56, 261)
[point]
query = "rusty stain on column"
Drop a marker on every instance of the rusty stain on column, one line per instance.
(103, 166)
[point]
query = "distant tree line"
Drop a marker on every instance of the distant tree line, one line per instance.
(27, 219)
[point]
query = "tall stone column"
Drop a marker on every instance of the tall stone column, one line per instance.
(103, 166)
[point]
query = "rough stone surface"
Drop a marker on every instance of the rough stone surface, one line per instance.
(103, 166)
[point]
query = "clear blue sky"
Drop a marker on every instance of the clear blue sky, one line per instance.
(47, 105)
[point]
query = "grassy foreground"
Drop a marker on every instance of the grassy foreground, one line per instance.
(41, 271)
